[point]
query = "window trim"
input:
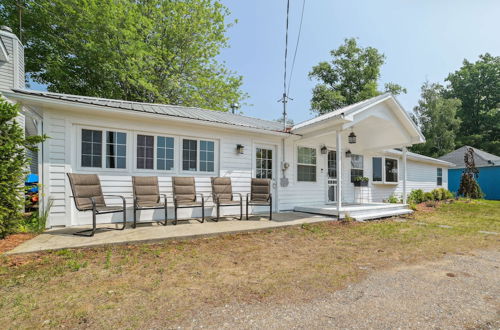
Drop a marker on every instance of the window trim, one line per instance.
(155, 154)
(439, 176)
(198, 171)
(304, 164)
(384, 181)
(103, 167)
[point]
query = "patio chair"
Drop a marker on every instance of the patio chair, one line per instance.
(222, 195)
(185, 196)
(147, 196)
(88, 196)
(260, 195)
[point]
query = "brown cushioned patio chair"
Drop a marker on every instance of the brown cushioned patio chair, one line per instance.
(185, 196)
(260, 195)
(147, 196)
(88, 196)
(222, 195)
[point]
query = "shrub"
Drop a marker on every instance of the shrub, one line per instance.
(393, 199)
(35, 223)
(416, 196)
(428, 196)
(437, 194)
(13, 165)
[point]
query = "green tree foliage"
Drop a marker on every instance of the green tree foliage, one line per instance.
(477, 85)
(351, 76)
(140, 50)
(13, 166)
(437, 118)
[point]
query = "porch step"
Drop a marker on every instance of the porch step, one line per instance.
(359, 213)
(384, 214)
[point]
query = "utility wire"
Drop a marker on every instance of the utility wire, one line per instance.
(296, 46)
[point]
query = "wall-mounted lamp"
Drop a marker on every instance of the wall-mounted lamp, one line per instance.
(348, 154)
(324, 150)
(240, 148)
(352, 138)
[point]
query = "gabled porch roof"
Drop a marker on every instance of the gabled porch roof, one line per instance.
(380, 123)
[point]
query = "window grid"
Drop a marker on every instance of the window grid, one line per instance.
(189, 155)
(207, 152)
(264, 166)
(306, 164)
(165, 153)
(391, 170)
(116, 149)
(91, 148)
(439, 176)
(356, 166)
(145, 152)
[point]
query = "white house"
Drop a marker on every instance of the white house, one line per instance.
(312, 165)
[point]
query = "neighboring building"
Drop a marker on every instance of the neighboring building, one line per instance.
(312, 165)
(487, 164)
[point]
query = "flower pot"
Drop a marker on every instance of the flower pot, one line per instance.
(360, 183)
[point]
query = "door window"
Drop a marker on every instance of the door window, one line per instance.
(264, 163)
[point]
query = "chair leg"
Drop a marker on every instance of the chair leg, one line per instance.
(241, 210)
(135, 218)
(124, 217)
(217, 207)
(166, 216)
(175, 214)
(270, 208)
(94, 227)
(202, 211)
(247, 208)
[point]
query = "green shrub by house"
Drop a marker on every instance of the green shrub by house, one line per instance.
(13, 166)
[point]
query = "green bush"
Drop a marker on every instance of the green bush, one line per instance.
(393, 199)
(13, 165)
(416, 196)
(428, 196)
(437, 194)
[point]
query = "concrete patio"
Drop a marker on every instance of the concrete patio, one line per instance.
(63, 238)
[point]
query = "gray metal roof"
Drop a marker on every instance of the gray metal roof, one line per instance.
(481, 158)
(164, 109)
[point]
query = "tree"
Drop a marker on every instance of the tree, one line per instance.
(468, 185)
(13, 166)
(477, 85)
(139, 50)
(437, 118)
(351, 76)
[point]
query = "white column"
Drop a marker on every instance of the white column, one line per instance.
(404, 175)
(339, 170)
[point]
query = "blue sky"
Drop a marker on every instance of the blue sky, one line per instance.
(421, 39)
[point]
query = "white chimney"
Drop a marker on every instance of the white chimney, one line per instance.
(11, 60)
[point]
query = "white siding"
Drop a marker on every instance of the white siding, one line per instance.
(12, 72)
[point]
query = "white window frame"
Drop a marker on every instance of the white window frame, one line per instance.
(439, 176)
(362, 169)
(155, 153)
(104, 139)
(304, 164)
(384, 181)
(198, 139)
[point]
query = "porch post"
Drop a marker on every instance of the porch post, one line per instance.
(404, 175)
(339, 170)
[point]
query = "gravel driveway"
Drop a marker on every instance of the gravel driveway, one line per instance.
(458, 291)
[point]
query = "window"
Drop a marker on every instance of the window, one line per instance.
(439, 176)
(164, 153)
(116, 149)
(189, 155)
(91, 148)
(145, 152)
(356, 166)
(264, 163)
(207, 156)
(377, 169)
(306, 164)
(391, 170)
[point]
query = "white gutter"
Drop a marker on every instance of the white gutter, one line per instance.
(37, 100)
(420, 158)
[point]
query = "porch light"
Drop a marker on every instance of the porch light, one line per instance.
(324, 150)
(352, 138)
(240, 148)
(348, 154)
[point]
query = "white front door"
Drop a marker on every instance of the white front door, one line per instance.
(331, 191)
(265, 166)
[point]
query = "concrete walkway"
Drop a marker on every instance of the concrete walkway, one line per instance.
(56, 239)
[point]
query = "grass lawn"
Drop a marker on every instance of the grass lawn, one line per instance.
(160, 285)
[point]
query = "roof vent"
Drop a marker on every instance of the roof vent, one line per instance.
(5, 28)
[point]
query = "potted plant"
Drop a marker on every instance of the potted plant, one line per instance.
(361, 181)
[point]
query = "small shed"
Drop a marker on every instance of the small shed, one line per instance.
(487, 164)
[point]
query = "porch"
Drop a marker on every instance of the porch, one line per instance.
(359, 212)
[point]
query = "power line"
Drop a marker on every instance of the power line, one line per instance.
(296, 46)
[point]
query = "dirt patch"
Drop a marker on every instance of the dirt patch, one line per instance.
(14, 240)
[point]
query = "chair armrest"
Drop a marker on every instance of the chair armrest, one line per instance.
(270, 197)
(165, 198)
(202, 197)
(238, 194)
(215, 199)
(117, 196)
